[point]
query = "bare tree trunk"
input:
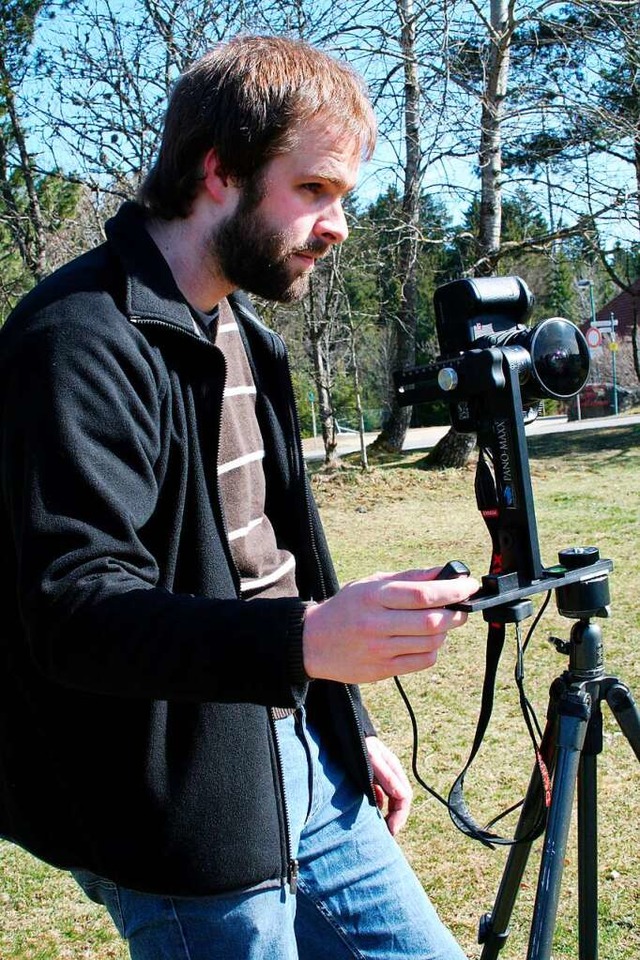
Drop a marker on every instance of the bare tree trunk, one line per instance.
(325, 404)
(636, 155)
(455, 449)
(634, 340)
(490, 153)
(320, 311)
(393, 435)
(631, 44)
(452, 451)
(356, 387)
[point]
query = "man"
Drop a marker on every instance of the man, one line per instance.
(179, 724)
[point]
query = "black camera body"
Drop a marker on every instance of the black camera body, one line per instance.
(493, 370)
(474, 311)
(481, 326)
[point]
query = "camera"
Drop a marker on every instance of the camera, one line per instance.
(480, 325)
(490, 312)
(493, 370)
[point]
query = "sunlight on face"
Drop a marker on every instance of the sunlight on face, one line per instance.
(289, 216)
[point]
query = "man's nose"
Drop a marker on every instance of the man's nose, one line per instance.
(332, 225)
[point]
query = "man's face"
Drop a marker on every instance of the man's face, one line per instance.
(288, 217)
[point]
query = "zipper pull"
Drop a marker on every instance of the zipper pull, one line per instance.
(293, 876)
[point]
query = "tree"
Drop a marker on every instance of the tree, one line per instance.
(108, 67)
(19, 193)
(402, 50)
(582, 61)
(454, 449)
(32, 205)
(322, 314)
(587, 60)
(501, 26)
(381, 225)
(393, 434)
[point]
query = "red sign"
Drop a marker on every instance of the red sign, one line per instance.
(594, 337)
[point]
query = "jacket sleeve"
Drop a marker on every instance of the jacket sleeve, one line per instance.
(81, 446)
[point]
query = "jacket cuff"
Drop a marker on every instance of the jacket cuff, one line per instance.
(297, 673)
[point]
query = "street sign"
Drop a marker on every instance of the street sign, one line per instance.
(594, 337)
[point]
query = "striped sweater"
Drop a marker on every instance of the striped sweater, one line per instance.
(265, 569)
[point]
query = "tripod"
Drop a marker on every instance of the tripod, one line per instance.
(492, 373)
(572, 740)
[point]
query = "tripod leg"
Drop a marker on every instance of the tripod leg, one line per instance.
(574, 712)
(587, 859)
(494, 926)
(628, 717)
(588, 834)
(624, 709)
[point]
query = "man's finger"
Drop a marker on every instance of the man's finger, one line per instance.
(398, 594)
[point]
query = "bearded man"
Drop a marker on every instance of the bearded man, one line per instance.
(180, 722)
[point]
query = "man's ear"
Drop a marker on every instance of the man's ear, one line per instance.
(215, 181)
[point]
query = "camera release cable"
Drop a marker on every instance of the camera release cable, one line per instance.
(458, 811)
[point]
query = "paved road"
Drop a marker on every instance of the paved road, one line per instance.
(423, 438)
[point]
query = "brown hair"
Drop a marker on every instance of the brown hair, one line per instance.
(248, 99)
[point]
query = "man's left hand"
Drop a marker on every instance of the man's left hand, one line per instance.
(392, 788)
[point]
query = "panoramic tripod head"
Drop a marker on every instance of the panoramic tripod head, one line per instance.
(492, 371)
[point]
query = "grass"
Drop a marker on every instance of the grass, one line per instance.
(393, 517)
(586, 492)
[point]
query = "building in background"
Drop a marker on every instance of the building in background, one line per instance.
(614, 383)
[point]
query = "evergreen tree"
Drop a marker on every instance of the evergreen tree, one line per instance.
(582, 62)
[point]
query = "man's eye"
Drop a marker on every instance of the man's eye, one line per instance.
(314, 188)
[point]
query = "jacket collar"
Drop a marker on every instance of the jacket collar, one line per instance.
(151, 291)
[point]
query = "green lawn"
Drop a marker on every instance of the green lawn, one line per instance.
(396, 516)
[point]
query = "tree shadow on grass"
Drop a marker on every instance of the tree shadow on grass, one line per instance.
(579, 443)
(584, 443)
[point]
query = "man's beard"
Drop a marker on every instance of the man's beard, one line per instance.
(256, 260)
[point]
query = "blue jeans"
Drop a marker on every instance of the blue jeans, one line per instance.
(357, 896)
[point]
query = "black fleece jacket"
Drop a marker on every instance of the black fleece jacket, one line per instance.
(136, 738)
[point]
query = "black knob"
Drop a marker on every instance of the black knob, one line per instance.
(575, 557)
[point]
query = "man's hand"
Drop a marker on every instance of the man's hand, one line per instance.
(383, 626)
(390, 784)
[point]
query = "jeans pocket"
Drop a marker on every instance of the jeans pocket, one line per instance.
(104, 892)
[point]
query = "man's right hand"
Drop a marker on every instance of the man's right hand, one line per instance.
(385, 625)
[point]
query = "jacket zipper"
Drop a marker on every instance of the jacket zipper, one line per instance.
(292, 862)
(154, 322)
(292, 865)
